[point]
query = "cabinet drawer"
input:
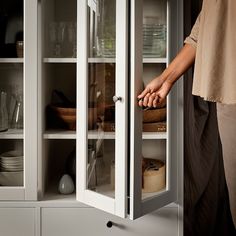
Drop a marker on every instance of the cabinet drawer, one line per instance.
(89, 222)
(17, 221)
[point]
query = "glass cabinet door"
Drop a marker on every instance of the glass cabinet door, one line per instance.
(102, 103)
(18, 100)
(155, 139)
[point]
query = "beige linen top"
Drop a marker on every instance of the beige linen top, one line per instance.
(214, 37)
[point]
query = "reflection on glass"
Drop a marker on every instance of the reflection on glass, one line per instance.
(106, 36)
(101, 89)
(101, 108)
(101, 173)
(101, 122)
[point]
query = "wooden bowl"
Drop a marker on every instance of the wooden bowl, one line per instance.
(64, 111)
(70, 121)
(62, 117)
(154, 115)
(154, 127)
(65, 117)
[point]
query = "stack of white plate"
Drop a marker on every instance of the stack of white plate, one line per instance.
(11, 168)
(154, 40)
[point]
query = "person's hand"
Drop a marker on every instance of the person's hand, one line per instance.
(154, 93)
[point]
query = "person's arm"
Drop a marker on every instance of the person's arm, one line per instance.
(157, 90)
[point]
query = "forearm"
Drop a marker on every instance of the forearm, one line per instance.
(182, 62)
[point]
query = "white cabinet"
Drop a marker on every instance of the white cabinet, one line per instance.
(74, 221)
(17, 221)
(95, 57)
(85, 62)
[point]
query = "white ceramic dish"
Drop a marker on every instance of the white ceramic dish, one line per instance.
(13, 153)
(11, 178)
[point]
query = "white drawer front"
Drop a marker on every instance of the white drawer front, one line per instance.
(89, 222)
(17, 221)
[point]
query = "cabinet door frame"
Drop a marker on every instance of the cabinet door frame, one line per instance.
(118, 205)
(139, 207)
(29, 189)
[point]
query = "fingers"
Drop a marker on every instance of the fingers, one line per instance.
(153, 99)
(162, 93)
(156, 101)
(146, 99)
(144, 93)
(140, 102)
(150, 100)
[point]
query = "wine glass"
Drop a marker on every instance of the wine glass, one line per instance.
(72, 36)
(57, 35)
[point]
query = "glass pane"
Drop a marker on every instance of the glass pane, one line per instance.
(102, 32)
(59, 28)
(154, 119)
(101, 89)
(11, 93)
(154, 28)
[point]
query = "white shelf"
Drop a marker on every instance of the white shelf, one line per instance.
(151, 195)
(93, 134)
(102, 60)
(59, 134)
(12, 134)
(154, 135)
(56, 196)
(113, 60)
(155, 60)
(11, 60)
(74, 60)
(59, 60)
(68, 134)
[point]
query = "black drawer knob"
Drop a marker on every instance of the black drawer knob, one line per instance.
(109, 224)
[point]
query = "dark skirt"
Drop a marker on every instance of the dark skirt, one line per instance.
(206, 200)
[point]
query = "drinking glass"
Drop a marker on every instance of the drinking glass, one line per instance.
(72, 36)
(56, 36)
(17, 118)
(3, 112)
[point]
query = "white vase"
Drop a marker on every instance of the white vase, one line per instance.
(66, 185)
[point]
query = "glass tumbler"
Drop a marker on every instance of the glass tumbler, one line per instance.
(17, 118)
(3, 112)
(56, 37)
